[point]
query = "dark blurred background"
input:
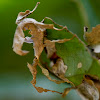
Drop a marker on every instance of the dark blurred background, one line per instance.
(14, 75)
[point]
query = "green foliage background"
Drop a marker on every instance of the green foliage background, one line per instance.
(14, 75)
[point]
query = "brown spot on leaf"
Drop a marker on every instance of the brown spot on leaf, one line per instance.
(79, 65)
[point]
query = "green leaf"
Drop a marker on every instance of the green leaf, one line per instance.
(95, 68)
(73, 53)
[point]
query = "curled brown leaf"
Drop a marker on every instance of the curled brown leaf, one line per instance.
(18, 42)
(23, 15)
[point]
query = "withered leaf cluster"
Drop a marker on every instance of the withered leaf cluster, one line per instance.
(93, 40)
(37, 30)
(93, 37)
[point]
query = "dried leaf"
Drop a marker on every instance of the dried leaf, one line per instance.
(59, 67)
(50, 47)
(37, 31)
(46, 73)
(66, 91)
(23, 15)
(93, 37)
(95, 81)
(88, 90)
(93, 40)
(33, 70)
(18, 42)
